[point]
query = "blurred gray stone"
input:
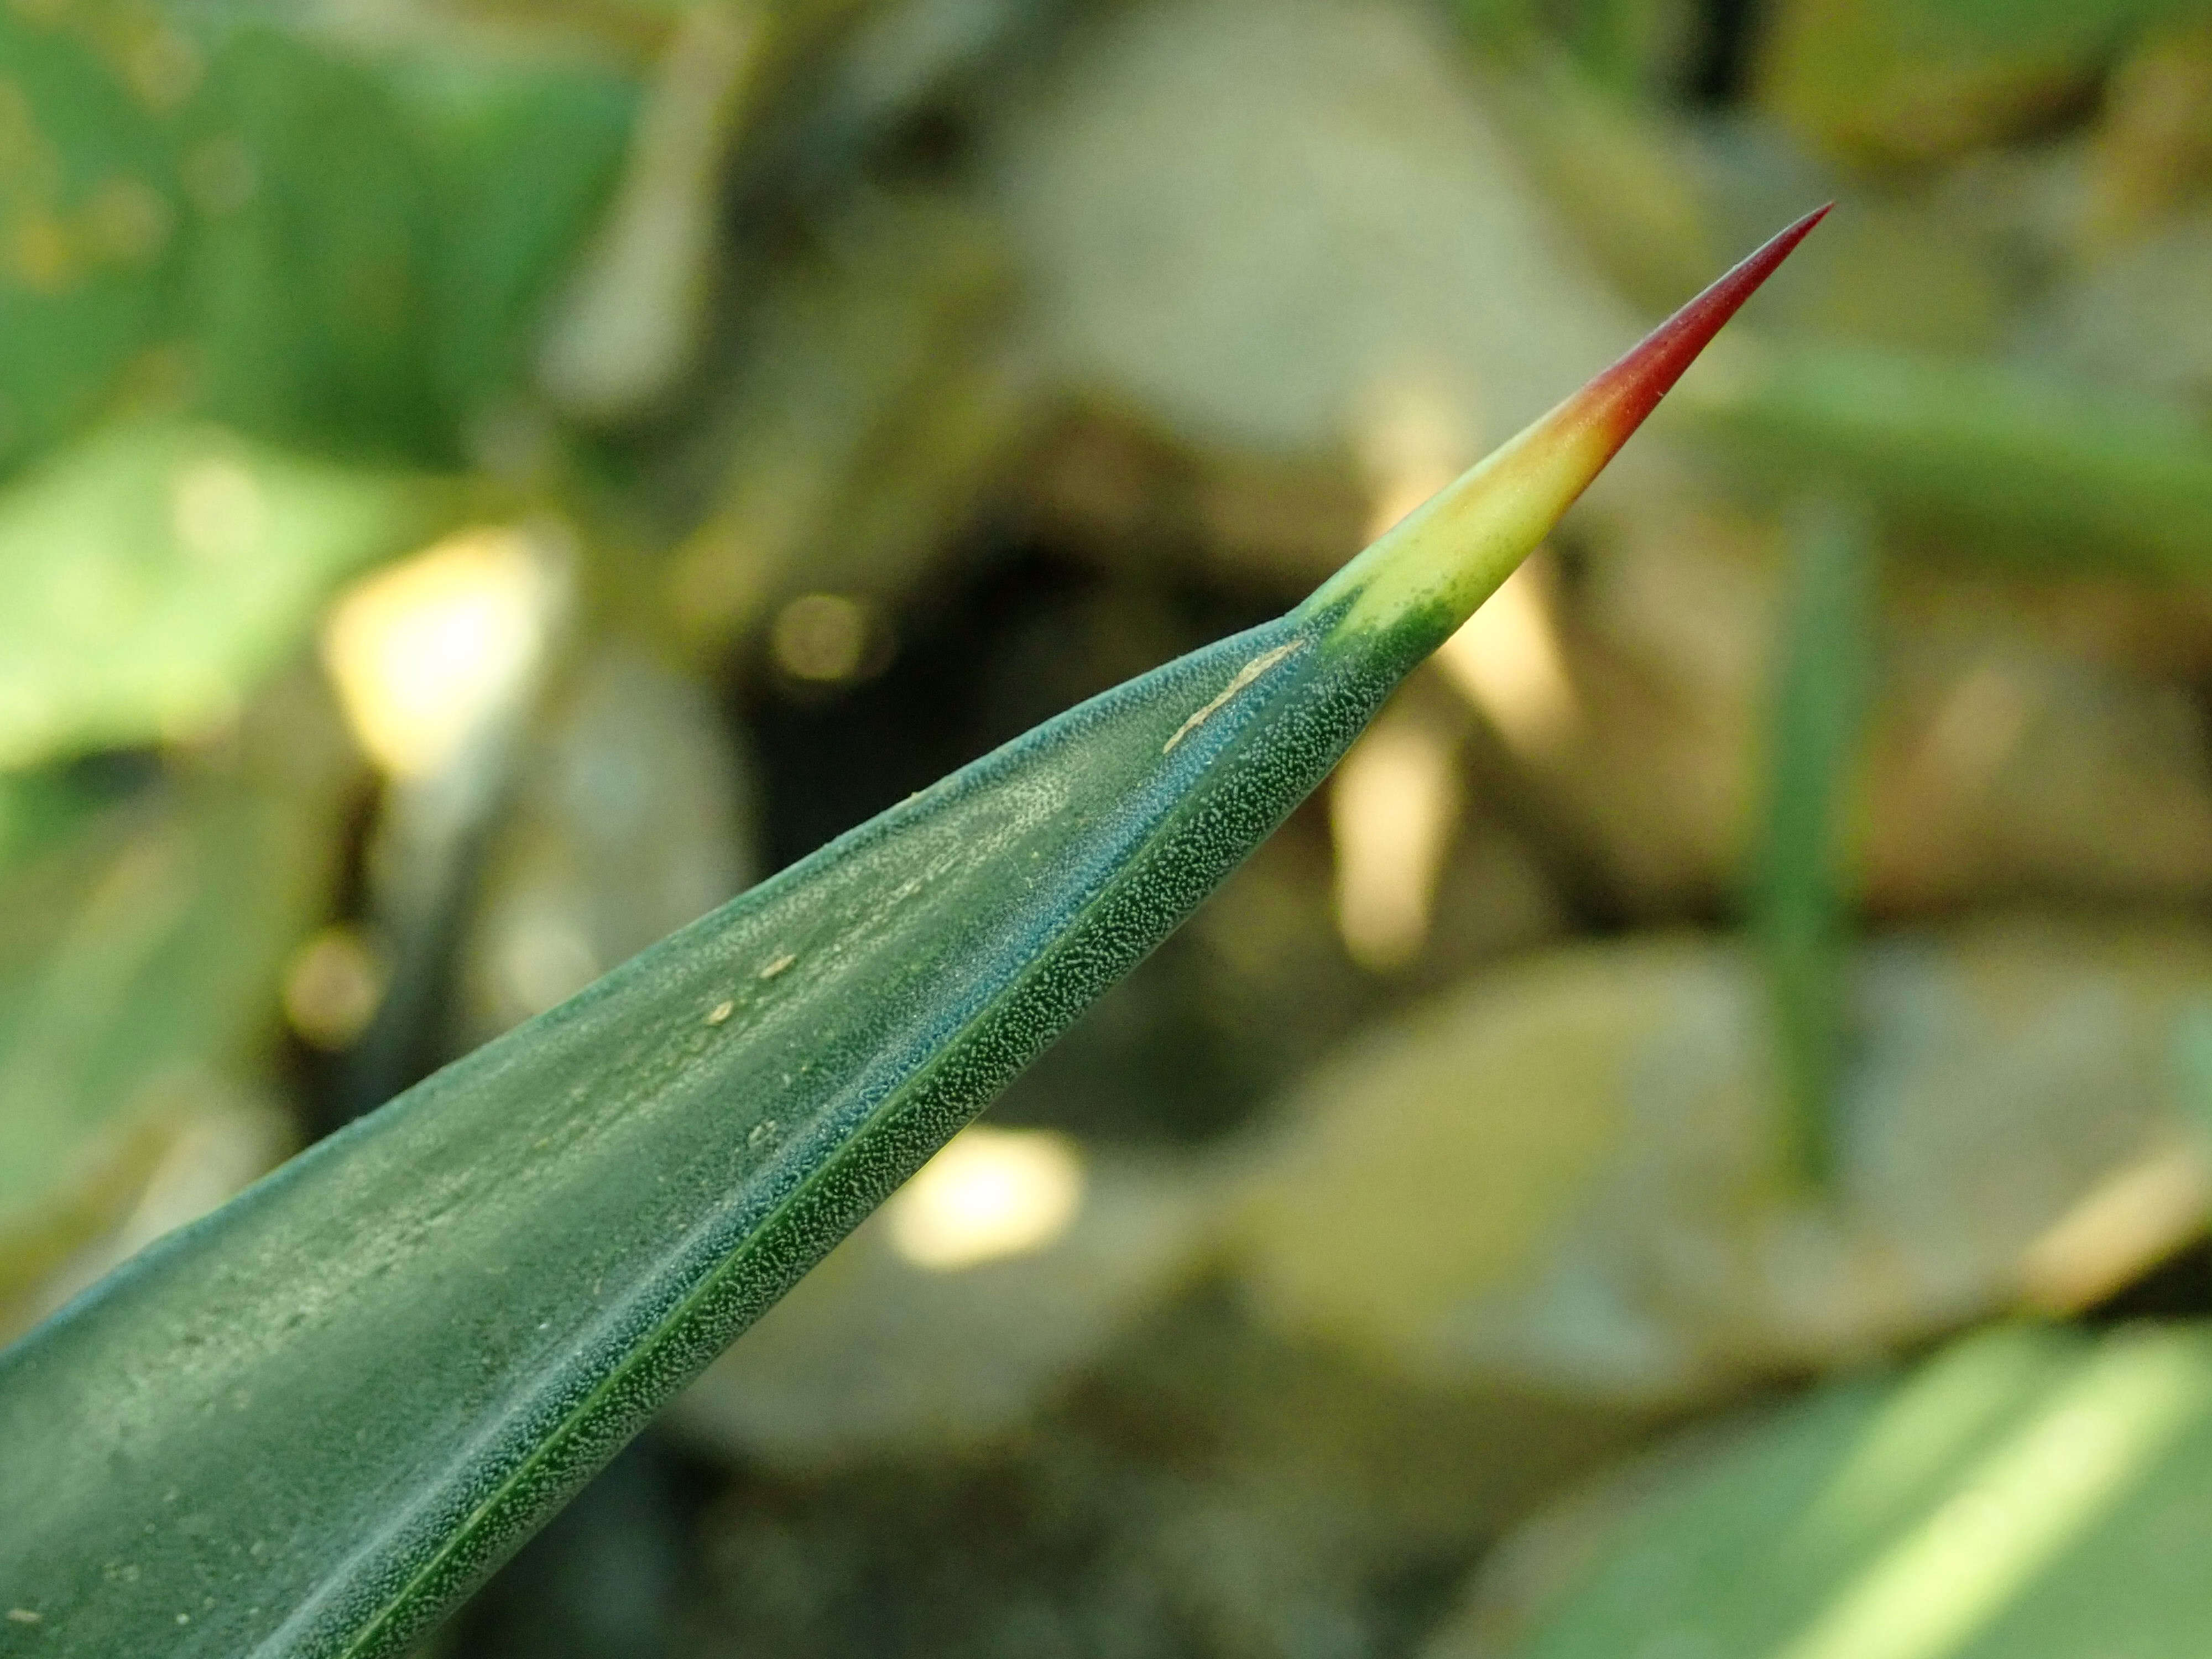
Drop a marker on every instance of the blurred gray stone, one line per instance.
(1287, 229)
(874, 1354)
(1573, 1174)
(630, 818)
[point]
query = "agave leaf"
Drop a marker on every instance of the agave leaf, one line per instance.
(308, 1423)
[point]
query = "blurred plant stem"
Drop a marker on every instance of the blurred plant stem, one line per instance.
(2020, 465)
(1801, 898)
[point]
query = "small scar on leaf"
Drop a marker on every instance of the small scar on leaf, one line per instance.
(778, 965)
(1250, 672)
(721, 1012)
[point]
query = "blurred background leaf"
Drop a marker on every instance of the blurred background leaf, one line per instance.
(156, 571)
(1802, 905)
(2004, 464)
(145, 944)
(522, 151)
(309, 279)
(2024, 1492)
(91, 212)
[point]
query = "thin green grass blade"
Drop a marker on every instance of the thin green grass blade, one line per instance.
(306, 1425)
(1801, 897)
(2008, 465)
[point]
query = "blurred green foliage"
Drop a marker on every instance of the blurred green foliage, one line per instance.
(263, 289)
(2002, 463)
(520, 161)
(91, 217)
(156, 570)
(212, 218)
(308, 296)
(133, 993)
(2025, 1492)
(323, 248)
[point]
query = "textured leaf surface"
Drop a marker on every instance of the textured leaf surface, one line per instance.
(308, 1423)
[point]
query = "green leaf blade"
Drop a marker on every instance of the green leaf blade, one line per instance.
(883, 991)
